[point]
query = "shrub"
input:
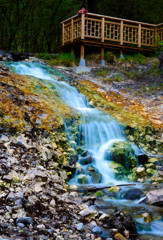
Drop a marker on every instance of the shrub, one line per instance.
(102, 72)
(110, 57)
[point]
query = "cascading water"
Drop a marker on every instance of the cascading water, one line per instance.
(97, 131)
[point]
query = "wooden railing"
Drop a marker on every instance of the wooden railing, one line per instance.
(110, 29)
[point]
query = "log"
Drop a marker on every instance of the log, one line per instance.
(89, 188)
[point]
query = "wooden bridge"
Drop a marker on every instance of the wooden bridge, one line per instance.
(108, 32)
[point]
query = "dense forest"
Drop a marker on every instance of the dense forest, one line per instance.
(34, 25)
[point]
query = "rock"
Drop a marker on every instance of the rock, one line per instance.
(133, 194)
(42, 175)
(96, 230)
(140, 171)
(25, 220)
(104, 217)
(41, 226)
(53, 203)
(120, 221)
(147, 217)
(82, 179)
(114, 189)
(96, 177)
(85, 160)
(119, 236)
(21, 225)
(80, 227)
(4, 138)
(7, 178)
(155, 197)
(38, 187)
(85, 212)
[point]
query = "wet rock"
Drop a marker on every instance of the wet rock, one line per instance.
(133, 194)
(21, 225)
(114, 189)
(52, 203)
(25, 220)
(96, 177)
(96, 230)
(85, 160)
(140, 171)
(155, 197)
(4, 138)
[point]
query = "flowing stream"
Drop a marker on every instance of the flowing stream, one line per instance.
(97, 133)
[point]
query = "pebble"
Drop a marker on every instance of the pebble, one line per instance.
(21, 225)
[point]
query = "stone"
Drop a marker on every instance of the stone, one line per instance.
(38, 187)
(41, 226)
(96, 230)
(25, 220)
(7, 178)
(4, 138)
(114, 189)
(147, 217)
(119, 236)
(140, 171)
(104, 217)
(133, 194)
(85, 160)
(21, 225)
(84, 212)
(52, 203)
(80, 227)
(155, 197)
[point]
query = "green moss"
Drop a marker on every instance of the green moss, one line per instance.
(66, 59)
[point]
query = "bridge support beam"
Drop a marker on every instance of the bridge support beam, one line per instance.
(82, 60)
(102, 56)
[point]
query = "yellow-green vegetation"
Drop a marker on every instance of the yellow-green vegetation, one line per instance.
(131, 114)
(44, 56)
(27, 102)
(102, 72)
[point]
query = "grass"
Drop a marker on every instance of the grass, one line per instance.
(135, 58)
(118, 78)
(44, 56)
(101, 72)
(66, 59)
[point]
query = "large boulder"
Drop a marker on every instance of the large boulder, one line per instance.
(155, 197)
(133, 194)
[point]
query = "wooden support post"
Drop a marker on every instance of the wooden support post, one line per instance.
(103, 29)
(121, 54)
(82, 26)
(102, 56)
(63, 33)
(139, 36)
(82, 60)
(72, 30)
(121, 33)
(72, 51)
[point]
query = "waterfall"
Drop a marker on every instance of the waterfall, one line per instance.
(98, 130)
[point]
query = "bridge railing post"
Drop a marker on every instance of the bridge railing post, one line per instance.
(82, 26)
(72, 30)
(121, 33)
(139, 35)
(63, 33)
(103, 29)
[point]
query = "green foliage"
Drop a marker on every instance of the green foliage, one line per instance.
(66, 59)
(44, 56)
(135, 58)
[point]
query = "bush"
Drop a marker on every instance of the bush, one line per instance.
(66, 59)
